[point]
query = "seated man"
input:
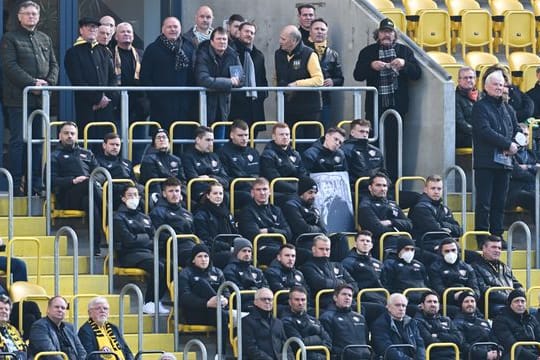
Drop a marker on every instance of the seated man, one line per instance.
(379, 215)
(345, 326)
(261, 217)
(279, 159)
(401, 271)
(169, 210)
(365, 269)
(303, 217)
(98, 334)
(435, 328)
(491, 271)
(396, 327)
(474, 328)
(158, 162)
(321, 273)
(10, 338)
(325, 154)
(133, 245)
(263, 335)
(450, 271)
(52, 333)
(513, 324)
(200, 162)
(298, 323)
(71, 167)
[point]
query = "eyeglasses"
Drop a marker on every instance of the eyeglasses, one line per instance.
(467, 77)
(28, 13)
(265, 299)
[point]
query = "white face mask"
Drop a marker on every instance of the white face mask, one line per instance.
(132, 203)
(450, 257)
(407, 256)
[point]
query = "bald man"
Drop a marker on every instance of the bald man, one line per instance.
(202, 29)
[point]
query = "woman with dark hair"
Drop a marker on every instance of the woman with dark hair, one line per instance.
(213, 218)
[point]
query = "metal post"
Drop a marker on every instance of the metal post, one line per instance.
(219, 324)
(537, 217)
(170, 230)
(288, 343)
(10, 202)
(124, 120)
(463, 194)
(71, 234)
(399, 121)
(511, 230)
(280, 106)
(91, 181)
(198, 343)
(139, 295)
(203, 115)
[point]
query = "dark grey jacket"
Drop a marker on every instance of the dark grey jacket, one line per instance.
(44, 337)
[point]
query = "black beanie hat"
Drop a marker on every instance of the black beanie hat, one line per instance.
(198, 248)
(239, 243)
(464, 295)
(515, 294)
(402, 242)
(306, 184)
(159, 131)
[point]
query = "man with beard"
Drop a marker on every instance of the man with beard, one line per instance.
(388, 66)
(168, 62)
(233, 25)
(249, 105)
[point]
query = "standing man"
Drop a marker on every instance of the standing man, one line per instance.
(109, 22)
(388, 66)
(306, 14)
(494, 126)
(27, 60)
(168, 62)
(203, 26)
(298, 65)
(233, 25)
(104, 36)
(466, 96)
(52, 333)
(90, 65)
(330, 65)
(249, 105)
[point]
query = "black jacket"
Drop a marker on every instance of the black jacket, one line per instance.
(363, 159)
(211, 220)
(494, 127)
(346, 327)
(44, 336)
(464, 107)
(160, 164)
(176, 216)
(385, 332)
(133, 236)
(254, 217)
(239, 161)
(432, 215)
(372, 210)
(473, 328)
(366, 271)
(68, 162)
(309, 330)
(196, 286)
(276, 162)
(523, 179)
(521, 103)
(245, 275)
(331, 68)
(263, 336)
(90, 343)
(320, 159)
(118, 167)
(197, 163)
(443, 275)
(510, 327)
(496, 273)
(437, 329)
(302, 218)
(534, 95)
(281, 278)
(363, 71)
(399, 275)
(213, 72)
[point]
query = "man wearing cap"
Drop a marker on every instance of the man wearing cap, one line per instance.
(89, 65)
(474, 328)
(345, 326)
(27, 60)
(514, 324)
(325, 154)
(388, 66)
(158, 162)
(401, 271)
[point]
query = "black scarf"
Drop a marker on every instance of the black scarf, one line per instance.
(181, 60)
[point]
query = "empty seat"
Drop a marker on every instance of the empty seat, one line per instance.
(455, 9)
(519, 30)
(412, 7)
(475, 31)
(519, 62)
(442, 57)
(433, 29)
(397, 16)
(497, 9)
(382, 4)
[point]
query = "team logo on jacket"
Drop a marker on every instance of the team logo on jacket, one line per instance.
(292, 158)
(213, 277)
(66, 156)
(214, 163)
(356, 318)
(109, 165)
(197, 164)
(83, 156)
(336, 270)
(250, 157)
(235, 159)
(462, 272)
(146, 222)
(296, 64)
(174, 163)
(337, 159)
(372, 152)
(274, 217)
(297, 277)
(376, 265)
(254, 275)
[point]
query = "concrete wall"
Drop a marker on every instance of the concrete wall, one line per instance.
(429, 126)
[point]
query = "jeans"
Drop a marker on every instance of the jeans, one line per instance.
(17, 148)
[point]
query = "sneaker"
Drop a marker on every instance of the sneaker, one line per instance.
(162, 309)
(149, 308)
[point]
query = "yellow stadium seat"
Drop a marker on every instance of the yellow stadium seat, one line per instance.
(476, 27)
(519, 61)
(455, 9)
(382, 4)
(519, 30)
(442, 57)
(497, 9)
(397, 16)
(412, 7)
(528, 77)
(433, 29)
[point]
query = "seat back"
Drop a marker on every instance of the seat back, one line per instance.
(528, 77)
(433, 29)
(519, 30)
(397, 16)
(455, 7)
(442, 57)
(498, 7)
(412, 7)
(475, 30)
(382, 4)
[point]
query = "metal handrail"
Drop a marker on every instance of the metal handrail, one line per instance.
(91, 220)
(105, 200)
(509, 253)
(486, 297)
(172, 128)
(465, 236)
(172, 233)
(415, 289)
(288, 343)
(75, 301)
(463, 191)
(232, 296)
(357, 197)
(189, 189)
(300, 123)
(442, 344)
(369, 290)
(71, 234)
(233, 187)
(277, 294)
(447, 291)
(147, 192)
(318, 296)
(537, 215)
(273, 183)
(278, 236)
(168, 251)
(198, 343)
(50, 353)
(94, 124)
(46, 121)
(427, 235)
(9, 251)
(481, 343)
(130, 134)
(401, 180)
(140, 300)
(314, 348)
(357, 346)
(95, 353)
(140, 353)
(252, 130)
(9, 178)
(522, 343)
(399, 121)
(386, 235)
(219, 324)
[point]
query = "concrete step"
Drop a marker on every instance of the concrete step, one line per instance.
(521, 275)
(82, 303)
(46, 244)
(88, 284)
(23, 226)
(470, 219)
(131, 322)
(47, 265)
(151, 341)
(20, 205)
(454, 201)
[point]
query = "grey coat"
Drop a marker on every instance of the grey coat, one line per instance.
(44, 337)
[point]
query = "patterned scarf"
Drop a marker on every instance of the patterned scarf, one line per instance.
(106, 340)
(10, 339)
(388, 78)
(202, 36)
(181, 60)
(118, 64)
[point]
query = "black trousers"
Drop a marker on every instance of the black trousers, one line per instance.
(148, 266)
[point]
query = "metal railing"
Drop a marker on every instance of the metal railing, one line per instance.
(140, 300)
(509, 253)
(463, 191)
(399, 121)
(219, 319)
(155, 277)
(9, 252)
(288, 343)
(9, 178)
(537, 217)
(522, 343)
(198, 343)
(71, 234)
(442, 345)
(96, 355)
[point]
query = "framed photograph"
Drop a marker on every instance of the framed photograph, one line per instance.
(334, 201)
